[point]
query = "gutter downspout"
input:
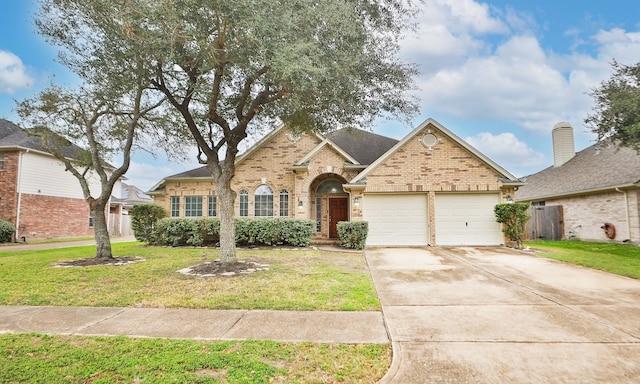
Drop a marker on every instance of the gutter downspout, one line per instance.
(626, 206)
(19, 191)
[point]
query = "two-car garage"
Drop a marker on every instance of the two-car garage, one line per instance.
(459, 219)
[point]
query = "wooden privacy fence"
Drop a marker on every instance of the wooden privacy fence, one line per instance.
(546, 223)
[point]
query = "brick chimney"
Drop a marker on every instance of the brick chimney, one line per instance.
(563, 145)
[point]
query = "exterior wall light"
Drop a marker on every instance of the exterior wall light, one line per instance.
(509, 199)
(300, 205)
(356, 201)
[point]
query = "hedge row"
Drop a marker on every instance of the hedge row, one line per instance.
(203, 232)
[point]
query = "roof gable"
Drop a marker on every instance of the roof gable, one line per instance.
(598, 167)
(502, 173)
(326, 143)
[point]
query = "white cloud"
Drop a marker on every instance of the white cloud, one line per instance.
(509, 152)
(13, 74)
(485, 63)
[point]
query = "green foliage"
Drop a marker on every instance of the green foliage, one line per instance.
(268, 231)
(177, 232)
(617, 107)
(6, 231)
(143, 220)
(353, 234)
(227, 66)
(514, 217)
(274, 231)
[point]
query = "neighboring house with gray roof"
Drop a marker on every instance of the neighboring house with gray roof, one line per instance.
(37, 195)
(431, 187)
(597, 185)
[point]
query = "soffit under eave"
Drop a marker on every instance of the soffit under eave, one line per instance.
(610, 189)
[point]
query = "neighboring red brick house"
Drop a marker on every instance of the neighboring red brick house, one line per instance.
(37, 195)
(430, 188)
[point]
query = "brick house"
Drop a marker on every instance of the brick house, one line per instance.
(430, 188)
(598, 185)
(37, 195)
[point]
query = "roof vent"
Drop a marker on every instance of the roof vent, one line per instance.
(563, 145)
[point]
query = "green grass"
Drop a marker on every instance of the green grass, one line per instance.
(296, 280)
(29, 358)
(621, 259)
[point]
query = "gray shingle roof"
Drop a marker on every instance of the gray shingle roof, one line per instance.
(588, 170)
(197, 172)
(364, 146)
(13, 136)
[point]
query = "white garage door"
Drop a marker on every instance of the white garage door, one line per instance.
(396, 219)
(467, 219)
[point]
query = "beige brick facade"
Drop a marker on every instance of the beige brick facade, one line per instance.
(299, 165)
(585, 214)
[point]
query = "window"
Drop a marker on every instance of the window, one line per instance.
(193, 206)
(330, 186)
(1, 161)
(212, 206)
(244, 203)
(284, 203)
(318, 214)
(263, 205)
(175, 206)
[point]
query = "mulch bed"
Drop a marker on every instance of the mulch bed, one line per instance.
(217, 268)
(93, 261)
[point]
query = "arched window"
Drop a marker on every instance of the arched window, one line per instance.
(244, 203)
(284, 203)
(330, 186)
(263, 202)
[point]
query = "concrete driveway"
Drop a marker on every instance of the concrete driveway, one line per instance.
(495, 315)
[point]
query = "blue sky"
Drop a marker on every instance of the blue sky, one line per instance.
(497, 73)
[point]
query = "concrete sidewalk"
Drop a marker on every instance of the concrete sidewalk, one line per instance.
(199, 324)
(55, 245)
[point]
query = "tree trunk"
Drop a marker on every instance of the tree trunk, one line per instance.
(226, 198)
(101, 232)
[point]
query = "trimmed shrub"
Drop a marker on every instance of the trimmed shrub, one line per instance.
(514, 217)
(206, 232)
(143, 220)
(274, 231)
(353, 234)
(177, 232)
(6, 231)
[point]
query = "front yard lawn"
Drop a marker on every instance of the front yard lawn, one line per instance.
(301, 279)
(621, 259)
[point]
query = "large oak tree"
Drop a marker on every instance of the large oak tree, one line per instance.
(616, 114)
(230, 68)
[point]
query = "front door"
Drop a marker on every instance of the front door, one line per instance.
(337, 212)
